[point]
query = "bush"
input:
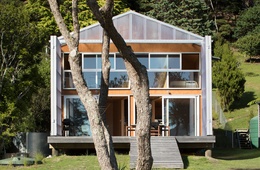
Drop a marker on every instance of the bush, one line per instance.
(228, 78)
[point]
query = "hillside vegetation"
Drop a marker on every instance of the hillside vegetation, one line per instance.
(241, 112)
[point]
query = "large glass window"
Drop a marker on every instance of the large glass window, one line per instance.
(118, 80)
(68, 82)
(120, 65)
(183, 79)
(111, 59)
(92, 79)
(180, 115)
(174, 61)
(77, 115)
(143, 59)
(90, 61)
(157, 79)
(176, 70)
(158, 61)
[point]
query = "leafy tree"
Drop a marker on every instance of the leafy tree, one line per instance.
(19, 44)
(228, 78)
(188, 14)
(248, 31)
(250, 44)
(40, 14)
(225, 13)
(248, 21)
(38, 118)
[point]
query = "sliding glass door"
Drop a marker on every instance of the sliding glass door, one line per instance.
(181, 114)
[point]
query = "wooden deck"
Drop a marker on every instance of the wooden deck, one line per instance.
(123, 142)
(85, 142)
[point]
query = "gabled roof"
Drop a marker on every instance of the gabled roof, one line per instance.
(135, 27)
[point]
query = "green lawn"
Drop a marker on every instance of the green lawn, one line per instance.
(224, 159)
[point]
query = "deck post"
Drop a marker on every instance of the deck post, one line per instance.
(208, 153)
(54, 152)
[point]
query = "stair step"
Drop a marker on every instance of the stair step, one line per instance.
(165, 152)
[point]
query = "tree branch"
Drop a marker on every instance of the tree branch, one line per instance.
(75, 21)
(60, 22)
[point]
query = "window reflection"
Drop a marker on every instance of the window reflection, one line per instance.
(77, 114)
(181, 113)
(164, 70)
(120, 65)
(90, 61)
(119, 79)
(93, 79)
(111, 59)
(66, 64)
(157, 79)
(183, 79)
(68, 82)
(143, 59)
(158, 61)
(174, 61)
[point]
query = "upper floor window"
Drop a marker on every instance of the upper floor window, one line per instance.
(165, 70)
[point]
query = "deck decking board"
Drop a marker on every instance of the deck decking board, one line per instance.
(124, 141)
(165, 153)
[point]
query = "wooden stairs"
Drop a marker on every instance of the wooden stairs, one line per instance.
(165, 152)
(243, 137)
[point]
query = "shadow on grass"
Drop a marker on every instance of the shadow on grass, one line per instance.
(185, 161)
(235, 154)
(226, 147)
(245, 99)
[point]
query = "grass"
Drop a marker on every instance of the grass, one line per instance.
(224, 159)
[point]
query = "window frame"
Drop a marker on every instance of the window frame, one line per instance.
(114, 69)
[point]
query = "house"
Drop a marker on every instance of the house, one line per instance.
(179, 69)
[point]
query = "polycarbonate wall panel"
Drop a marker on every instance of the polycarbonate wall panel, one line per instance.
(83, 34)
(152, 29)
(138, 27)
(166, 33)
(134, 26)
(55, 86)
(193, 37)
(122, 26)
(181, 35)
(94, 33)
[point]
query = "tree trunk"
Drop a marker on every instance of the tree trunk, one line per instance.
(139, 83)
(101, 137)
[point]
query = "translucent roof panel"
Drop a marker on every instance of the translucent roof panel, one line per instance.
(123, 26)
(93, 33)
(137, 27)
